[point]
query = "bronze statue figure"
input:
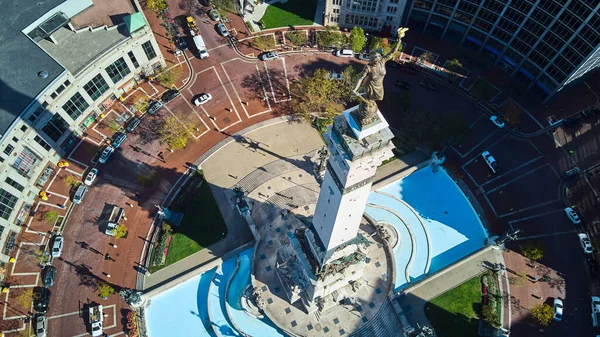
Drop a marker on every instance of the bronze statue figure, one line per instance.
(371, 79)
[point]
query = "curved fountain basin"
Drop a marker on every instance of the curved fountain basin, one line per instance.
(453, 226)
(216, 300)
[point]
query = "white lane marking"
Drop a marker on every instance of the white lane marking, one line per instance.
(546, 235)
(517, 178)
(511, 170)
(528, 208)
(233, 87)
(481, 142)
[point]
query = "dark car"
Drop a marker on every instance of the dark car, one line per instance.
(133, 124)
(592, 266)
(570, 121)
(169, 95)
(402, 85)
(153, 107)
(118, 139)
(428, 85)
(41, 299)
(363, 56)
(590, 112)
(49, 275)
(394, 64)
(181, 44)
(409, 68)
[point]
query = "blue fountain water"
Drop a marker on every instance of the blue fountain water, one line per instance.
(453, 227)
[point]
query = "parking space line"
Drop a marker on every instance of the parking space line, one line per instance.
(266, 97)
(232, 86)
(511, 170)
(528, 208)
(481, 142)
(230, 101)
(179, 120)
(517, 178)
(545, 235)
(200, 118)
(475, 122)
(491, 206)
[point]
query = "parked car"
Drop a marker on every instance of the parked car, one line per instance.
(41, 299)
(181, 44)
(133, 124)
(591, 262)
(490, 161)
(41, 326)
(575, 171)
(558, 309)
(498, 121)
(335, 76)
(572, 215)
(363, 56)
(595, 310)
(79, 194)
(91, 176)
(402, 85)
(268, 56)
(119, 139)
(344, 53)
(590, 112)
(57, 245)
(428, 85)
(49, 275)
(202, 98)
(222, 29)
(570, 121)
(169, 95)
(585, 242)
(108, 151)
(153, 107)
(393, 64)
(214, 14)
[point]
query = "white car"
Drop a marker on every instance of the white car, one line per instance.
(572, 215)
(344, 53)
(498, 121)
(490, 161)
(106, 154)
(222, 29)
(335, 76)
(268, 56)
(558, 309)
(202, 98)
(586, 244)
(57, 245)
(41, 326)
(89, 179)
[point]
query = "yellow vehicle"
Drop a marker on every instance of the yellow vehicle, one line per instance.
(192, 25)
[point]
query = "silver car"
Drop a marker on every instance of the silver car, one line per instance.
(57, 245)
(80, 194)
(222, 29)
(41, 326)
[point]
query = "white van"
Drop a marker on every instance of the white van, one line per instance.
(595, 310)
(79, 194)
(201, 47)
(344, 53)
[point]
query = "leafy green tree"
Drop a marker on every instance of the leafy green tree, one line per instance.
(454, 65)
(225, 5)
(51, 217)
(490, 316)
(169, 76)
(120, 231)
(264, 42)
(156, 5)
(297, 37)
(330, 37)
(426, 57)
(543, 313)
(25, 297)
(380, 44)
(482, 90)
(105, 290)
(319, 96)
(357, 39)
(452, 128)
(532, 250)
(174, 133)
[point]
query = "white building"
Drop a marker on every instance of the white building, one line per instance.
(371, 15)
(62, 63)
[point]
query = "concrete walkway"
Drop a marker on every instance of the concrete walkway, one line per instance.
(257, 13)
(414, 298)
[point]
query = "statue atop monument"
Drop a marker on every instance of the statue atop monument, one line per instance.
(371, 80)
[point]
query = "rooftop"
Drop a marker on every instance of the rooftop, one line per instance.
(21, 60)
(76, 50)
(103, 13)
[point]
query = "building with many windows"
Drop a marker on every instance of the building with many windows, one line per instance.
(544, 44)
(371, 15)
(62, 63)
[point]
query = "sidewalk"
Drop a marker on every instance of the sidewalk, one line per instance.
(414, 299)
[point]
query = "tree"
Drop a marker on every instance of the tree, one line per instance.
(320, 96)
(71, 181)
(543, 313)
(174, 133)
(380, 44)
(225, 5)
(532, 250)
(169, 76)
(482, 90)
(357, 39)
(120, 231)
(512, 112)
(426, 57)
(454, 65)
(33, 257)
(105, 290)
(157, 6)
(51, 217)
(25, 297)
(452, 128)
(490, 316)
(330, 37)
(297, 37)
(263, 42)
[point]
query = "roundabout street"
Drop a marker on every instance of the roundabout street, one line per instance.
(528, 192)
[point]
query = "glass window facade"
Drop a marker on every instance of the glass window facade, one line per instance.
(118, 70)
(96, 87)
(149, 50)
(7, 203)
(75, 106)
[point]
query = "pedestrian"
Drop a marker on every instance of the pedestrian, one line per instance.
(106, 256)
(571, 152)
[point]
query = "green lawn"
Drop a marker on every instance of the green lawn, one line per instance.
(291, 13)
(202, 223)
(454, 313)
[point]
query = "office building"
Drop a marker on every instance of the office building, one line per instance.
(543, 44)
(63, 62)
(371, 15)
